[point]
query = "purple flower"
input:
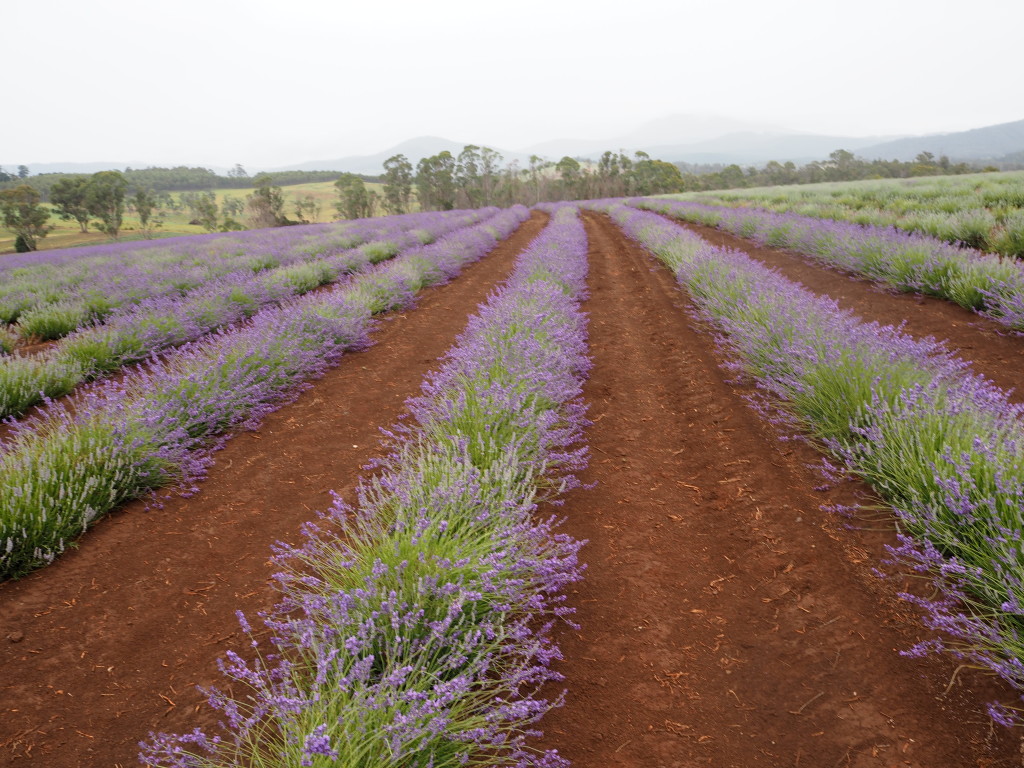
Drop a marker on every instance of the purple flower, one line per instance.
(318, 743)
(417, 623)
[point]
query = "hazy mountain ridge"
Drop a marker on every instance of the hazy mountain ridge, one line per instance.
(669, 130)
(710, 139)
(414, 149)
(759, 148)
(989, 143)
(674, 138)
(84, 168)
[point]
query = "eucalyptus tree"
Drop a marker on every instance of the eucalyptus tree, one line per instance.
(104, 199)
(67, 195)
(24, 216)
(570, 174)
(145, 203)
(398, 177)
(266, 203)
(435, 182)
(355, 201)
(490, 174)
(468, 178)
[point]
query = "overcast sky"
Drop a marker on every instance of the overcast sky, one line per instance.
(215, 82)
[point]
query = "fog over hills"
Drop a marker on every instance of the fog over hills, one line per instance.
(674, 138)
(758, 148)
(703, 139)
(991, 142)
(414, 149)
(711, 139)
(665, 131)
(92, 167)
(689, 138)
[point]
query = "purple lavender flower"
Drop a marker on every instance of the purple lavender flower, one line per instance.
(118, 440)
(415, 627)
(909, 261)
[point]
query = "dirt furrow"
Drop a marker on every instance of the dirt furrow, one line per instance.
(111, 641)
(992, 349)
(725, 620)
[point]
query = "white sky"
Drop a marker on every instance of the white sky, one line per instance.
(215, 82)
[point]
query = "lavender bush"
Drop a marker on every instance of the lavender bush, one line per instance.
(986, 283)
(982, 211)
(80, 459)
(414, 629)
(53, 293)
(8, 340)
(944, 446)
(134, 333)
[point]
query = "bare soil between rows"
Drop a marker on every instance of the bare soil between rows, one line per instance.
(110, 642)
(724, 619)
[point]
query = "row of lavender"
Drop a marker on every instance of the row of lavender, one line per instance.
(134, 333)
(944, 446)
(983, 211)
(50, 299)
(82, 457)
(989, 284)
(415, 628)
(59, 290)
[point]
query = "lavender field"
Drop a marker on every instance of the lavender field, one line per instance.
(577, 494)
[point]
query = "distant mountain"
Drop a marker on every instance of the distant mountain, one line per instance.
(36, 168)
(688, 129)
(414, 149)
(675, 138)
(664, 133)
(991, 142)
(1012, 158)
(670, 130)
(759, 148)
(710, 139)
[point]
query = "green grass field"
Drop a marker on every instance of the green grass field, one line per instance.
(66, 234)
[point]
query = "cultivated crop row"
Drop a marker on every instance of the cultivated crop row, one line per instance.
(134, 333)
(51, 296)
(945, 447)
(57, 292)
(80, 459)
(415, 628)
(980, 211)
(986, 283)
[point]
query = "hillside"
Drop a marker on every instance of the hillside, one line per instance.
(990, 142)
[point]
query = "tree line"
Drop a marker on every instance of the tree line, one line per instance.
(22, 173)
(841, 165)
(177, 179)
(101, 199)
(478, 177)
(98, 198)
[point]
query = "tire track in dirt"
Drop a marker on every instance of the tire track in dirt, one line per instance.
(991, 348)
(109, 642)
(724, 620)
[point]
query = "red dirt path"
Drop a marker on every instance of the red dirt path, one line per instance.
(110, 642)
(725, 621)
